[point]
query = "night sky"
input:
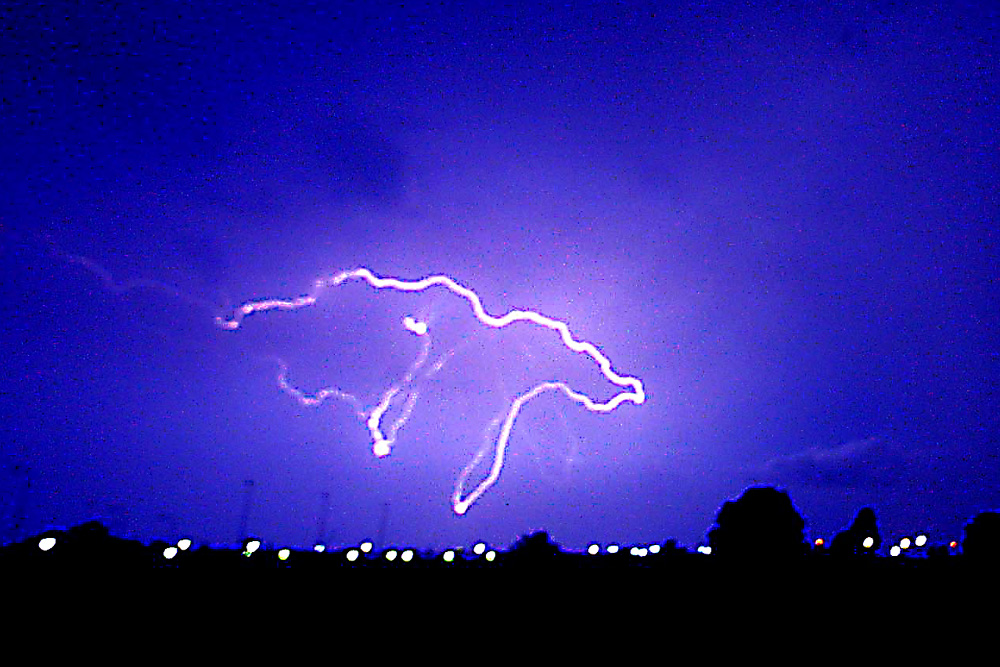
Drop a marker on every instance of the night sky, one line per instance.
(782, 219)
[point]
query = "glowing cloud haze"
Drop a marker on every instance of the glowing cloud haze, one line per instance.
(404, 390)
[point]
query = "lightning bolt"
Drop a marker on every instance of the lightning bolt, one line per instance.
(381, 442)
(633, 391)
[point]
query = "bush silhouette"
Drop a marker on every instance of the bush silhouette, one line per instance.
(533, 549)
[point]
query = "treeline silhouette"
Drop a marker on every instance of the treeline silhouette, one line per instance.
(760, 531)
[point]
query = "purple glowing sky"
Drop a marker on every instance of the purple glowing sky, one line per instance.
(783, 221)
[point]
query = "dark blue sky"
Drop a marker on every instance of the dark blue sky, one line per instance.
(782, 219)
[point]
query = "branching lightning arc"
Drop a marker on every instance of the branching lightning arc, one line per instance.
(632, 388)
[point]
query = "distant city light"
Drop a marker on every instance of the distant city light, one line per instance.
(252, 545)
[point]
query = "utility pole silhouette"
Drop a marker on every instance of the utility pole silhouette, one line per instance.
(321, 517)
(247, 502)
(22, 482)
(380, 539)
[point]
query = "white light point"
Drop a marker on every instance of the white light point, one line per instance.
(904, 543)
(406, 556)
(284, 554)
(366, 547)
(634, 551)
(252, 546)
(594, 549)
(479, 549)
(921, 540)
(319, 548)
(895, 550)
(391, 554)
(170, 552)
(184, 544)
(491, 555)
(46, 543)
(654, 548)
(868, 542)
(352, 555)
(448, 556)
(633, 390)
(612, 548)
(412, 325)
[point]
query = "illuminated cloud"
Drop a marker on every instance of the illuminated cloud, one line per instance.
(852, 464)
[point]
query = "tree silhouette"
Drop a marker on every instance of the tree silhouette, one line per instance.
(982, 538)
(851, 542)
(762, 523)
